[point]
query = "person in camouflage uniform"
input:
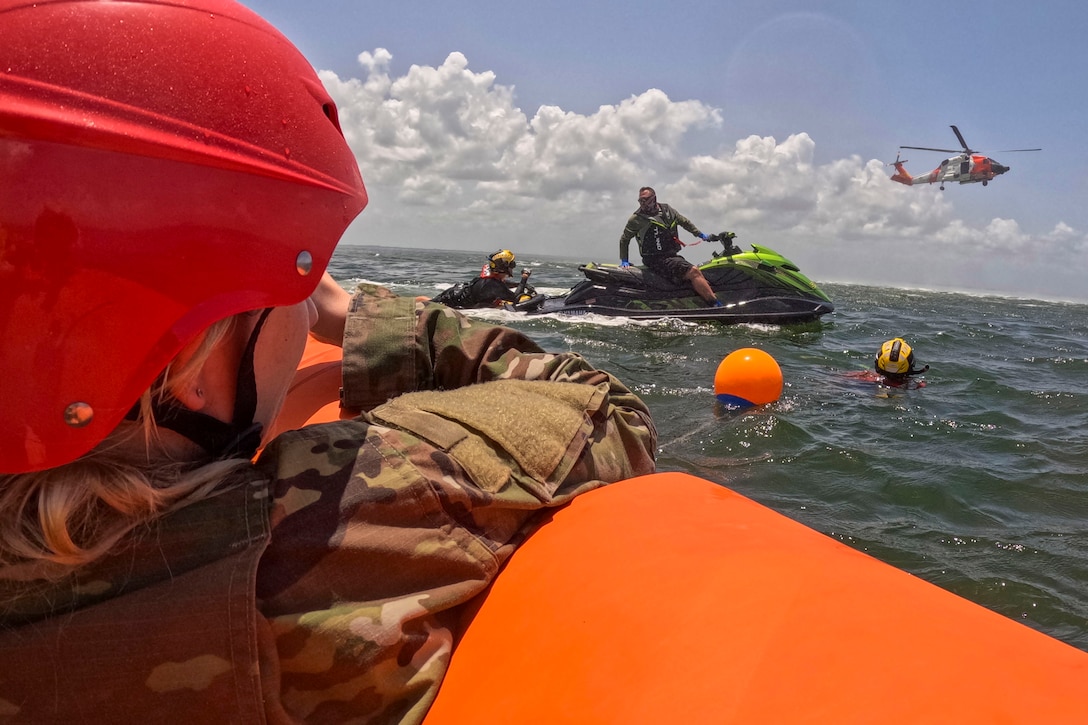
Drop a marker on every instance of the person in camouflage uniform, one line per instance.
(150, 570)
(362, 538)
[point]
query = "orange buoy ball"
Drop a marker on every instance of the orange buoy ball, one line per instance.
(748, 377)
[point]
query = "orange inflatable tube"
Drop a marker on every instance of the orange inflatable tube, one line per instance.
(671, 599)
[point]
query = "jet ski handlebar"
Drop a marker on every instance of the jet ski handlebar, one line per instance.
(726, 238)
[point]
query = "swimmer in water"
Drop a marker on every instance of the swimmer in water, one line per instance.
(894, 366)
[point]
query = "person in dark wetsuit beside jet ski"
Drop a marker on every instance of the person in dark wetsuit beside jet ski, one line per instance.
(491, 288)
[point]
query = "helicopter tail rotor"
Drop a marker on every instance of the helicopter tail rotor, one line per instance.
(897, 161)
(901, 174)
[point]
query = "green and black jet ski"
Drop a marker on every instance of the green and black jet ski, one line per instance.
(758, 286)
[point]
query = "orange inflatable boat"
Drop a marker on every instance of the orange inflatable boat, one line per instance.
(671, 599)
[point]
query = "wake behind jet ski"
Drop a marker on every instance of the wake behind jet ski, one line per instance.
(758, 286)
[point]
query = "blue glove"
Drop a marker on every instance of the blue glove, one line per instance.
(703, 237)
(624, 263)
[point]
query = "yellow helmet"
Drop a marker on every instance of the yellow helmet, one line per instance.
(895, 358)
(502, 262)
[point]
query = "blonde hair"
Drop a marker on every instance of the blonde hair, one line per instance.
(71, 515)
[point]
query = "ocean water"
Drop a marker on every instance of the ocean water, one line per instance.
(977, 482)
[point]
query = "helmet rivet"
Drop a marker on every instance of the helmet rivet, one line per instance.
(304, 263)
(78, 415)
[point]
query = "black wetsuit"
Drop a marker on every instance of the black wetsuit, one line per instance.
(479, 292)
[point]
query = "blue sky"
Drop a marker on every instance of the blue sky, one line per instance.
(531, 126)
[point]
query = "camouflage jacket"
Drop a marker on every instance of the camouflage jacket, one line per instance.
(325, 583)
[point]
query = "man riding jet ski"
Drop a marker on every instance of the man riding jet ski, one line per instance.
(757, 286)
(654, 225)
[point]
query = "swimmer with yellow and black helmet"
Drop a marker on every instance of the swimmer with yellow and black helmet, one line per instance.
(894, 366)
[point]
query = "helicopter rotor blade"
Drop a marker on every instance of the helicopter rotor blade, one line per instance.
(1009, 151)
(927, 148)
(962, 142)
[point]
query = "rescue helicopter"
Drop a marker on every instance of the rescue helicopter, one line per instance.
(966, 167)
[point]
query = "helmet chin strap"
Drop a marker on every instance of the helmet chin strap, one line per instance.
(238, 439)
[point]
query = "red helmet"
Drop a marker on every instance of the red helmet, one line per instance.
(163, 164)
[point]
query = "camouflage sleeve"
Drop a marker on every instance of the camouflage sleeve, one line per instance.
(383, 526)
(396, 345)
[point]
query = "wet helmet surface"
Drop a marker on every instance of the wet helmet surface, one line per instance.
(895, 357)
(162, 165)
(502, 262)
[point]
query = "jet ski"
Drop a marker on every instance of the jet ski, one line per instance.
(758, 286)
